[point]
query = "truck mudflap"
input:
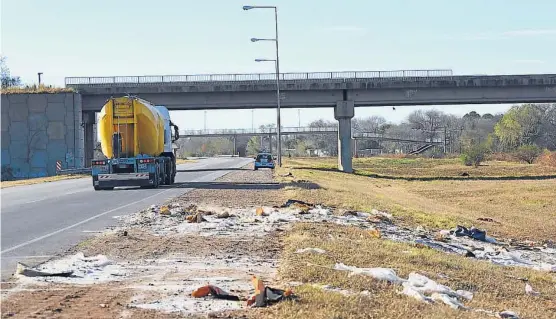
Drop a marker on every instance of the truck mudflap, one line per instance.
(123, 179)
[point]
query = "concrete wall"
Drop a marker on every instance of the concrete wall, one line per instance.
(37, 131)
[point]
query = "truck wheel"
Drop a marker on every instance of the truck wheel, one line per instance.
(168, 175)
(157, 177)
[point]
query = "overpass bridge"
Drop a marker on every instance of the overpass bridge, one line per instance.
(327, 130)
(341, 90)
(356, 135)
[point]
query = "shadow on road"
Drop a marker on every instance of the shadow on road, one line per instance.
(436, 178)
(243, 186)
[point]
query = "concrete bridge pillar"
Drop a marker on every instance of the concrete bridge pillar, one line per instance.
(344, 112)
(89, 120)
(235, 146)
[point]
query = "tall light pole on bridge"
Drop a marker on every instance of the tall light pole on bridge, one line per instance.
(277, 65)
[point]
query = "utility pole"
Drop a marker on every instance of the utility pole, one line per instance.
(253, 120)
(205, 120)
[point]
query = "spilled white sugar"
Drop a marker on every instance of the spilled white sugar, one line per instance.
(86, 270)
(386, 274)
(310, 250)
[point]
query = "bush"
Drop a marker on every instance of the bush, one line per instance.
(547, 158)
(502, 157)
(474, 155)
(528, 153)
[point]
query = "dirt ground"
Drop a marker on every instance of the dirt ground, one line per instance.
(112, 300)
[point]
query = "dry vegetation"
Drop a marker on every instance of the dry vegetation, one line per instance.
(36, 89)
(493, 289)
(417, 167)
(185, 161)
(523, 209)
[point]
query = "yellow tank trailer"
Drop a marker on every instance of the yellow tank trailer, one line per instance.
(136, 138)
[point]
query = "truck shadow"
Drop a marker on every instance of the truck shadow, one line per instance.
(243, 186)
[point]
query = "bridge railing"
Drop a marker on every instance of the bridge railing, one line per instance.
(200, 78)
(285, 130)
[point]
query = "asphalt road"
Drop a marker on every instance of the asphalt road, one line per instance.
(42, 220)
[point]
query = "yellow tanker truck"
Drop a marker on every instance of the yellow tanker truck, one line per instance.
(136, 137)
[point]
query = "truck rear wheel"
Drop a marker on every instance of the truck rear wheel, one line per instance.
(168, 173)
(156, 182)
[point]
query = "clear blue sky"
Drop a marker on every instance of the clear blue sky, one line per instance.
(139, 37)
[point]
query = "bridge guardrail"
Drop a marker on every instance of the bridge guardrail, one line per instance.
(257, 77)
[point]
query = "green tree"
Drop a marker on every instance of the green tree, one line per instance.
(475, 154)
(253, 146)
(520, 125)
(528, 153)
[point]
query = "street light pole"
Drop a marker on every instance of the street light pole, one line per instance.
(277, 66)
(278, 120)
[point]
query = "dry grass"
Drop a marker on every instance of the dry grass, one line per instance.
(523, 208)
(429, 168)
(492, 289)
(185, 161)
(547, 159)
(31, 181)
(36, 89)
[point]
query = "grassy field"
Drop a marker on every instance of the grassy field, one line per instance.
(522, 209)
(491, 285)
(429, 168)
(31, 181)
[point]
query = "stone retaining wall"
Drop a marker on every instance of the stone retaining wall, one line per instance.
(37, 131)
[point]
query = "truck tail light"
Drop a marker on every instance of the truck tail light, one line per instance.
(146, 160)
(99, 162)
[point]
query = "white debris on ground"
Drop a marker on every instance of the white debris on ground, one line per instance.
(416, 286)
(310, 250)
(166, 284)
(86, 270)
(344, 292)
(247, 223)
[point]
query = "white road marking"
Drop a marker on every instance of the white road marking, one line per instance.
(79, 223)
(98, 215)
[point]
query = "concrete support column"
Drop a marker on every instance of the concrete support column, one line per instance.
(235, 146)
(89, 119)
(270, 143)
(344, 112)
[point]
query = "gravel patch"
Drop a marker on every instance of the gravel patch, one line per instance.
(241, 188)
